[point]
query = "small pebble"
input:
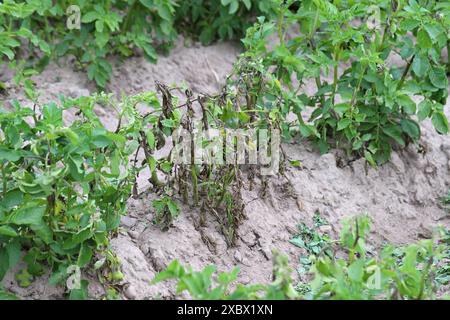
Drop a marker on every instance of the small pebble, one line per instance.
(238, 256)
(128, 221)
(130, 293)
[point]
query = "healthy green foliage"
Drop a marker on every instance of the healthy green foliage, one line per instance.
(220, 19)
(312, 240)
(4, 295)
(206, 285)
(117, 28)
(443, 270)
(395, 273)
(63, 189)
(362, 102)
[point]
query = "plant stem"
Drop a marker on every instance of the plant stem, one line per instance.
(405, 73)
(194, 183)
(424, 278)
(4, 180)
(448, 57)
(128, 17)
(280, 27)
(335, 73)
(355, 92)
(154, 176)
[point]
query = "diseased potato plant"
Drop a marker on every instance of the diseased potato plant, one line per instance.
(64, 187)
(377, 69)
(362, 102)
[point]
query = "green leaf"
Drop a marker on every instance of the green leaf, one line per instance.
(440, 122)
(434, 30)
(408, 104)
(356, 270)
(89, 17)
(164, 11)
(173, 208)
(174, 270)
(84, 256)
(99, 26)
(43, 231)
(14, 253)
(31, 214)
(101, 38)
(80, 294)
(395, 133)
(52, 114)
(148, 3)
(248, 4)
(150, 139)
(368, 156)
(343, 123)
(423, 39)
(409, 24)
(424, 109)
(411, 128)
(9, 154)
(166, 166)
(13, 198)
(4, 263)
(8, 231)
(420, 65)
(234, 6)
(7, 296)
(438, 77)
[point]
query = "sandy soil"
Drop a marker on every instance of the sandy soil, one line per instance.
(402, 197)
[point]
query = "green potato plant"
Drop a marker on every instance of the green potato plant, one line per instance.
(63, 189)
(118, 27)
(395, 273)
(101, 29)
(65, 185)
(206, 285)
(220, 19)
(362, 102)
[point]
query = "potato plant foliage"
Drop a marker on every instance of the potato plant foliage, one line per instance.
(63, 188)
(116, 27)
(65, 180)
(394, 273)
(362, 102)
